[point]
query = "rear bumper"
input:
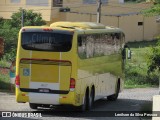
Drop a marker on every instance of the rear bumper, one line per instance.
(50, 91)
(52, 99)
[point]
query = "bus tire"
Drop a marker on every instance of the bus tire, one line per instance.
(83, 107)
(33, 106)
(91, 100)
(114, 96)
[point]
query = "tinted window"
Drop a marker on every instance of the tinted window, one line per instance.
(98, 45)
(46, 41)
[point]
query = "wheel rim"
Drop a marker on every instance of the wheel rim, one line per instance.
(91, 100)
(83, 108)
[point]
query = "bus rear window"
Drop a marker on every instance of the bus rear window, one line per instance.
(47, 41)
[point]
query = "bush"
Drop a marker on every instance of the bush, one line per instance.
(4, 81)
(4, 64)
(136, 69)
(4, 75)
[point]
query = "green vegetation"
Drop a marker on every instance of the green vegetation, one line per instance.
(4, 75)
(4, 81)
(154, 59)
(9, 32)
(136, 69)
(154, 10)
(4, 64)
(30, 19)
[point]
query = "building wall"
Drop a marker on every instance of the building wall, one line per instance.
(129, 24)
(112, 7)
(7, 8)
(124, 16)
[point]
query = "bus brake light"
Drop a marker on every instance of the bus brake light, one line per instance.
(17, 80)
(47, 29)
(72, 83)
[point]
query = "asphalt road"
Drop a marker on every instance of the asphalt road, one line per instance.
(129, 100)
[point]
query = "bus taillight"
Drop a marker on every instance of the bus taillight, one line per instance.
(72, 83)
(47, 29)
(17, 81)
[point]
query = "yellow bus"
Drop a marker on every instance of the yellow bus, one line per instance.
(69, 63)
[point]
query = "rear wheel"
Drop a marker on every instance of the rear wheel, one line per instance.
(114, 96)
(91, 100)
(83, 107)
(33, 106)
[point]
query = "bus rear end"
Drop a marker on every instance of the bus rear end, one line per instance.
(45, 59)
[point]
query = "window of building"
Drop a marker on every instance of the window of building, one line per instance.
(57, 3)
(37, 2)
(15, 1)
(140, 23)
(94, 1)
(104, 1)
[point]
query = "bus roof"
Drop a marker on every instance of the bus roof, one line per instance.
(79, 26)
(83, 26)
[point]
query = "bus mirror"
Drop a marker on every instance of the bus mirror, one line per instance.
(129, 54)
(126, 52)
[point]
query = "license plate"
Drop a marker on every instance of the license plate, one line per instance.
(44, 90)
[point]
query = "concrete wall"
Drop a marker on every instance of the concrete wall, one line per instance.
(87, 12)
(113, 7)
(7, 9)
(129, 24)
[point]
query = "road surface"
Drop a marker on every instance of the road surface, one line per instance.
(129, 100)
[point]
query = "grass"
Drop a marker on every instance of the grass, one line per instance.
(136, 68)
(4, 81)
(128, 86)
(4, 75)
(142, 44)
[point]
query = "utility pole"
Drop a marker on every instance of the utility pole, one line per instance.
(22, 21)
(99, 11)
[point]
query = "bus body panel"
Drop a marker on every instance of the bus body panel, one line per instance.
(53, 77)
(102, 72)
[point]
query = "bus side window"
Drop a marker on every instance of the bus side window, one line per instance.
(118, 35)
(90, 46)
(79, 41)
(81, 47)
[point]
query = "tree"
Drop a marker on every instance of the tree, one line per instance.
(154, 59)
(154, 10)
(30, 18)
(9, 29)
